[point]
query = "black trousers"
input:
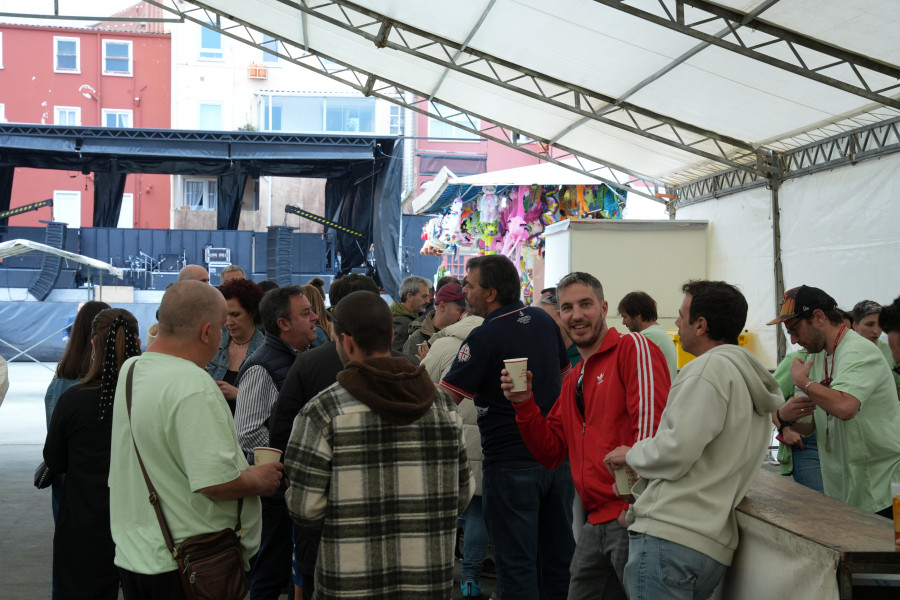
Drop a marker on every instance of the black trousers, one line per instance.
(164, 586)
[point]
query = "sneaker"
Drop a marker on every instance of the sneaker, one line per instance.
(470, 588)
(488, 568)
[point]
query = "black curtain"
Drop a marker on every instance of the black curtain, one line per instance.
(108, 190)
(386, 219)
(230, 195)
(348, 202)
(7, 172)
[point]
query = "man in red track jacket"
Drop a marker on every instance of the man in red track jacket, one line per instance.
(614, 396)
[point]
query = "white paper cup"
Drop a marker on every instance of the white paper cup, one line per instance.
(263, 455)
(517, 367)
(625, 479)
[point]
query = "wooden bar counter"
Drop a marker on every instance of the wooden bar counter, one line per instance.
(796, 543)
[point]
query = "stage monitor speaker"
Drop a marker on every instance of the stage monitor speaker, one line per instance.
(43, 284)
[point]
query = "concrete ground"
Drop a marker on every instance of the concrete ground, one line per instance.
(25, 516)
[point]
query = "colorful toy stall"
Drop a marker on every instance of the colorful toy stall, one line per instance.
(506, 212)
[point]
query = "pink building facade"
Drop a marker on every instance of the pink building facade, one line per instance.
(93, 78)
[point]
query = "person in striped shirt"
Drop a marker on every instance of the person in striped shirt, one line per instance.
(613, 397)
(290, 325)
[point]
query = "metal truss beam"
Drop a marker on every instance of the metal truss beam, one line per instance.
(851, 147)
(371, 84)
(188, 136)
(673, 18)
(384, 32)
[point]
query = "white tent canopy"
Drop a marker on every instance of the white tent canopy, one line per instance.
(15, 247)
(668, 90)
(665, 90)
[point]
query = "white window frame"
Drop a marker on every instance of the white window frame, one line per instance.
(212, 54)
(63, 210)
(3, 113)
(116, 111)
(58, 109)
(56, 40)
(1, 49)
(271, 43)
(455, 133)
(130, 72)
(200, 106)
(126, 213)
(208, 184)
(395, 124)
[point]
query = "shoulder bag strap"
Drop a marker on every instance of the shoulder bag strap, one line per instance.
(154, 499)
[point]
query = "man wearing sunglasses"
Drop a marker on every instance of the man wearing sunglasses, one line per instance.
(613, 397)
(851, 394)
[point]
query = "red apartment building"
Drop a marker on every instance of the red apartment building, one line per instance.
(112, 75)
(440, 144)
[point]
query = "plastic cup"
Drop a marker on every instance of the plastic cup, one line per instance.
(625, 479)
(801, 394)
(263, 455)
(517, 367)
(895, 495)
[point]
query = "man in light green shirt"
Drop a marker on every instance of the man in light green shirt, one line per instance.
(852, 396)
(638, 312)
(184, 431)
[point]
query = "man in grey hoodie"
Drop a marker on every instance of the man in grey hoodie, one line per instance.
(704, 456)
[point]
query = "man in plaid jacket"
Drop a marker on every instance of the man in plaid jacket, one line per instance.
(377, 461)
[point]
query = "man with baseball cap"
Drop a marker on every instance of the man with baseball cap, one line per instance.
(850, 392)
(449, 305)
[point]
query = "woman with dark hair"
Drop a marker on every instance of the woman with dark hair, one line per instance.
(78, 444)
(72, 367)
(241, 338)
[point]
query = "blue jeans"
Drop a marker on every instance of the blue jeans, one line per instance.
(658, 569)
(475, 540)
(807, 470)
(528, 511)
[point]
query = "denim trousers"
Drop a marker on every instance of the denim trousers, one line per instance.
(475, 541)
(658, 569)
(599, 562)
(528, 511)
(271, 571)
(807, 470)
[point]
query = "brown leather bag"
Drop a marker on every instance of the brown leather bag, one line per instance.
(211, 565)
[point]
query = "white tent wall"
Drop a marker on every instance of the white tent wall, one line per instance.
(840, 231)
(740, 252)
